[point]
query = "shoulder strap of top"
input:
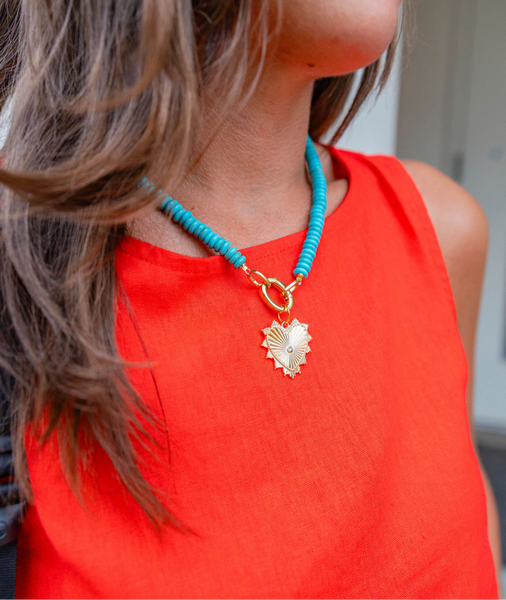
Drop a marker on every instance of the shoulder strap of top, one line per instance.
(387, 173)
(408, 194)
(410, 209)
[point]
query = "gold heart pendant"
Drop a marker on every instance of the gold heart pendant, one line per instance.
(287, 345)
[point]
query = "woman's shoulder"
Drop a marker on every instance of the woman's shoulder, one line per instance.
(462, 231)
(459, 221)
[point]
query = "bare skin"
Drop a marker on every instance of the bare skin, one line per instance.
(251, 185)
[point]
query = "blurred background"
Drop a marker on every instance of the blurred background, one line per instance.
(445, 104)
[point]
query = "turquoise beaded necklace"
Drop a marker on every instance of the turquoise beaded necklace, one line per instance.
(287, 342)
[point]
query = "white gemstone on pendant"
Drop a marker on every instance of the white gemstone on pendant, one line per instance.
(289, 349)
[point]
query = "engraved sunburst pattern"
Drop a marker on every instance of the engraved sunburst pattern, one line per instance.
(287, 346)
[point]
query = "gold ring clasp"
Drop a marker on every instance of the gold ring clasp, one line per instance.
(281, 287)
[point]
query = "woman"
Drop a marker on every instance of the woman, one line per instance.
(179, 441)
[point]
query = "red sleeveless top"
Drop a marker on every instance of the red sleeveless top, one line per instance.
(355, 479)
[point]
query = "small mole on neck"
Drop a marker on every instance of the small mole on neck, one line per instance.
(311, 65)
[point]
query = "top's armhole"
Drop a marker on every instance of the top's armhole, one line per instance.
(408, 193)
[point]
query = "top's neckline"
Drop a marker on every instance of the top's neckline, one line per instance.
(280, 246)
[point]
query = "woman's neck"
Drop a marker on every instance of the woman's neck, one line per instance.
(250, 184)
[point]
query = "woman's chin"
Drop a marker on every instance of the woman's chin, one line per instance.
(326, 38)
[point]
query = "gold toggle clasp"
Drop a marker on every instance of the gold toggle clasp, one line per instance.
(263, 283)
(281, 287)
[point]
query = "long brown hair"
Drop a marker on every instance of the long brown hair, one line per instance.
(103, 93)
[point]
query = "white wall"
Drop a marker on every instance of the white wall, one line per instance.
(4, 122)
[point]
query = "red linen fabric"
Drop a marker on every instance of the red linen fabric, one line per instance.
(356, 479)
